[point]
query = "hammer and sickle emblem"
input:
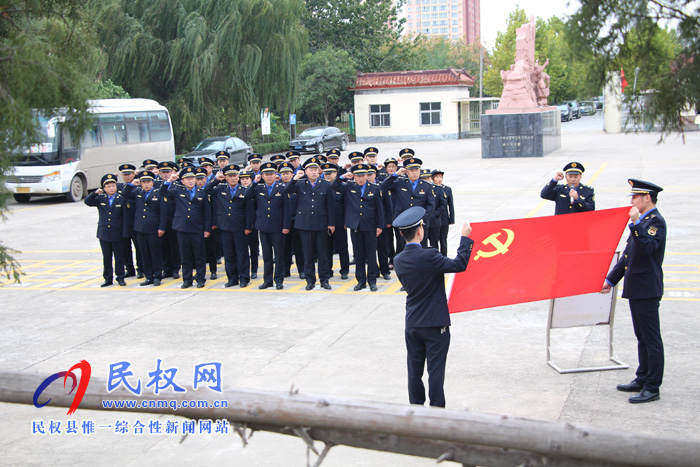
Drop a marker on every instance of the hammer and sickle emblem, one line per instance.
(500, 248)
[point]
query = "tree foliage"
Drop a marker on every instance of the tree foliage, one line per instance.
(631, 34)
(198, 58)
(326, 76)
(369, 31)
(39, 41)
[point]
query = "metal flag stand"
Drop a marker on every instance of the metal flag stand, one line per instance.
(584, 310)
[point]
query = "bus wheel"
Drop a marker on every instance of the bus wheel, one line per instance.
(77, 189)
(22, 198)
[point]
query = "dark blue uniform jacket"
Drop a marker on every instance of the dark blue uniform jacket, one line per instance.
(112, 224)
(560, 195)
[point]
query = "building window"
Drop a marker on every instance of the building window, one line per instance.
(379, 115)
(430, 113)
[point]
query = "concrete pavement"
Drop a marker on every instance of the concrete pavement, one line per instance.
(343, 343)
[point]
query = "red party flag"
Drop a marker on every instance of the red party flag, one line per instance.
(525, 260)
(623, 81)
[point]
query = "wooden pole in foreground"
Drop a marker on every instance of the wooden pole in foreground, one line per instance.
(485, 439)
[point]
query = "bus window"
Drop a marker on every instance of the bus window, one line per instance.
(69, 153)
(93, 138)
(120, 133)
(160, 127)
(137, 127)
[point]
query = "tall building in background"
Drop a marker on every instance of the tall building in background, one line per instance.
(455, 20)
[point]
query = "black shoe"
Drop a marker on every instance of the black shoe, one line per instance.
(176, 275)
(131, 273)
(231, 283)
(106, 284)
(253, 275)
(644, 396)
(634, 386)
(121, 283)
(145, 283)
(244, 284)
(310, 286)
(359, 287)
(373, 287)
(302, 275)
(156, 282)
(387, 276)
(167, 274)
(279, 286)
(344, 277)
(214, 276)
(326, 285)
(200, 285)
(186, 285)
(265, 285)
(140, 275)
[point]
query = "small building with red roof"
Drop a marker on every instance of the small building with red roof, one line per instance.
(411, 105)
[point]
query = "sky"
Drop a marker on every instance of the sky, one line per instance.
(494, 14)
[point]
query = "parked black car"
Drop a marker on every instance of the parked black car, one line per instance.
(319, 139)
(208, 147)
(565, 111)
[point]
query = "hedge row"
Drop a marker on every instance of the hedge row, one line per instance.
(270, 148)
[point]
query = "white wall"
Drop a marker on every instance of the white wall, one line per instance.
(405, 113)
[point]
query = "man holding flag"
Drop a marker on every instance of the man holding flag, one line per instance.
(641, 267)
(422, 273)
(572, 197)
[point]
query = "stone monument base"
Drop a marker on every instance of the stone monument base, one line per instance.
(531, 134)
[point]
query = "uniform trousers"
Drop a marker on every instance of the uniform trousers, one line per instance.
(171, 253)
(434, 237)
(129, 256)
(650, 347)
(389, 231)
(444, 230)
(254, 248)
(193, 255)
(339, 241)
(315, 245)
(151, 246)
(383, 252)
(429, 343)
(273, 256)
(293, 247)
(210, 248)
(366, 254)
(237, 260)
(109, 250)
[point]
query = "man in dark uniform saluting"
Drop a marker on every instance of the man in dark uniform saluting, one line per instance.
(572, 197)
(422, 273)
(644, 285)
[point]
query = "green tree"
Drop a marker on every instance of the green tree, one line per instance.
(631, 34)
(36, 73)
(367, 30)
(326, 76)
(198, 58)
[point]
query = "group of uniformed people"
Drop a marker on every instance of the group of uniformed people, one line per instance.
(187, 216)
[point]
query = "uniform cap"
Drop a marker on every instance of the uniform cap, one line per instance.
(108, 178)
(200, 172)
(231, 169)
(574, 167)
(292, 155)
(205, 161)
(147, 175)
(127, 168)
(406, 152)
(371, 151)
(640, 187)
(312, 162)
(255, 158)
(167, 165)
(149, 164)
(410, 218)
(412, 163)
(268, 167)
(187, 172)
(391, 160)
(223, 155)
(277, 158)
(425, 173)
(329, 167)
(333, 153)
(285, 167)
(245, 173)
(372, 169)
(360, 169)
(185, 164)
(437, 172)
(356, 156)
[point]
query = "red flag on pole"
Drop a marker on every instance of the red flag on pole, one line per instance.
(524, 260)
(623, 81)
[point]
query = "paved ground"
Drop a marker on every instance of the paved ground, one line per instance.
(344, 343)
